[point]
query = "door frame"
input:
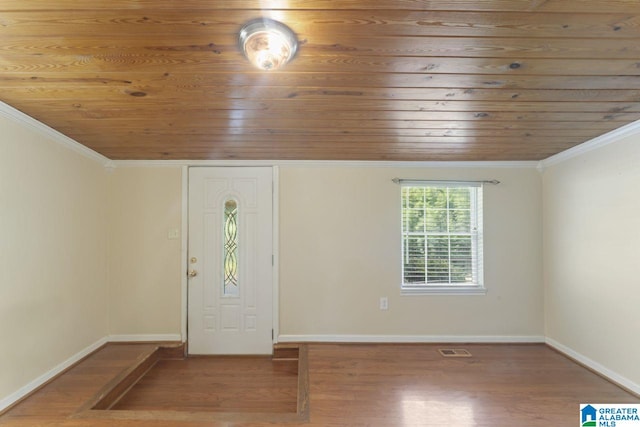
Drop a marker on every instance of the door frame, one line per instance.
(275, 172)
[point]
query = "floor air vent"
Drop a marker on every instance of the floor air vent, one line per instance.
(454, 352)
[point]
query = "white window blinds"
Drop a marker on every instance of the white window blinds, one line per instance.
(441, 234)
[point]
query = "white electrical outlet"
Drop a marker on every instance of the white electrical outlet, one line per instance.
(384, 303)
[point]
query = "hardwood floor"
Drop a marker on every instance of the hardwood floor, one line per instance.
(360, 384)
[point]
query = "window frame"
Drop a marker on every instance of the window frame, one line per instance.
(476, 211)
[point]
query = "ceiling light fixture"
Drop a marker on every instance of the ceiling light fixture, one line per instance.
(268, 44)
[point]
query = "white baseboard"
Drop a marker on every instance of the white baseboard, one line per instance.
(42, 379)
(413, 338)
(33, 385)
(595, 366)
(144, 338)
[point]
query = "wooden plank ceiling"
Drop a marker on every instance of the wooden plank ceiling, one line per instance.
(372, 80)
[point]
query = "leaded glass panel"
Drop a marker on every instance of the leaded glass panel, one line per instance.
(230, 233)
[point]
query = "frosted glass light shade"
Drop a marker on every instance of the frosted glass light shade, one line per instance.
(268, 44)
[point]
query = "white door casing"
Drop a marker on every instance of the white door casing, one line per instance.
(239, 320)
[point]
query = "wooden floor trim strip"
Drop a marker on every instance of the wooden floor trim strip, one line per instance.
(303, 383)
(108, 395)
(186, 416)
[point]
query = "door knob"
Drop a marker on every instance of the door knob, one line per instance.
(192, 273)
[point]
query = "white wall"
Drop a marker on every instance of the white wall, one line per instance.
(53, 273)
(592, 256)
(340, 252)
(144, 263)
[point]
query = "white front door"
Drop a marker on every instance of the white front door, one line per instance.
(230, 263)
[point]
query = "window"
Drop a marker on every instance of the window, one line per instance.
(441, 237)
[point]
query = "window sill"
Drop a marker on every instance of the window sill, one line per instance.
(443, 290)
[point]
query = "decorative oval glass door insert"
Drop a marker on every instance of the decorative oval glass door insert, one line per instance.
(230, 248)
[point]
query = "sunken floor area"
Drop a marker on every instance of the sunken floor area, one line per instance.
(216, 384)
(348, 385)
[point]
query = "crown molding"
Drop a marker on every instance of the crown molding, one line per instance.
(608, 138)
(328, 163)
(29, 122)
